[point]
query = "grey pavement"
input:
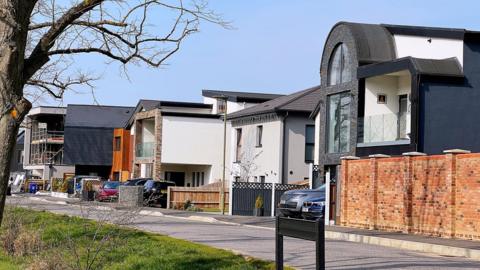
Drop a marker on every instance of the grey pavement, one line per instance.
(259, 242)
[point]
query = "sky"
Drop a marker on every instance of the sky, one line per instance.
(275, 47)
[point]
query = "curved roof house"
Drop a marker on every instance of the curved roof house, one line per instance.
(391, 89)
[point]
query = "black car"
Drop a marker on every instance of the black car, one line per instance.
(136, 182)
(155, 192)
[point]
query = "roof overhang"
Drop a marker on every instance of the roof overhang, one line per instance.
(449, 67)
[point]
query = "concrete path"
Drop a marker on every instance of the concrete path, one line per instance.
(259, 242)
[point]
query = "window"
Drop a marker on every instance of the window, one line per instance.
(239, 145)
(338, 72)
(117, 142)
(338, 133)
(381, 99)
(309, 143)
(20, 157)
(236, 179)
(262, 179)
(221, 105)
(259, 136)
(202, 179)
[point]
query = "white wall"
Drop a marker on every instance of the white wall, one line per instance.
(439, 48)
(148, 130)
(295, 168)
(194, 141)
(231, 106)
(267, 158)
(382, 118)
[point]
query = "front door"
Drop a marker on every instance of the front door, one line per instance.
(177, 177)
(402, 117)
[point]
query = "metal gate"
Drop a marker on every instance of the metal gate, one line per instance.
(245, 194)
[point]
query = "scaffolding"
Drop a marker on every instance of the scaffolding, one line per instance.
(46, 146)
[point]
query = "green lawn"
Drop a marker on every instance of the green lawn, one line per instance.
(131, 250)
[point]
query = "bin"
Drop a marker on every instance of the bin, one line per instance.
(32, 188)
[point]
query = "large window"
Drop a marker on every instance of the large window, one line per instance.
(117, 143)
(221, 105)
(238, 152)
(259, 136)
(338, 72)
(338, 139)
(309, 143)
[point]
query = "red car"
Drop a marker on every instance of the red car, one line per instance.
(108, 191)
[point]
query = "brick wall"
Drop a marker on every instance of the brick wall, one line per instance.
(431, 195)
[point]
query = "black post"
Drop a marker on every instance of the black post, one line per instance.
(278, 246)
(320, 244)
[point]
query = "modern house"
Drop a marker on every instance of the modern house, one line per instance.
(390, 89)
(89, 137)
(44, 143)
(274, 141)
(183, 141)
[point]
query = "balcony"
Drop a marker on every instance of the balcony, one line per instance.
(43, 136)
(383, 129)
(145, 150)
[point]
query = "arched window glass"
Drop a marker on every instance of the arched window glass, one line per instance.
(338, 72)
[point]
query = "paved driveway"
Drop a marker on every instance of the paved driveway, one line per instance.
(259, 242)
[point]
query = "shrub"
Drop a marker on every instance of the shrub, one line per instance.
(259, 202)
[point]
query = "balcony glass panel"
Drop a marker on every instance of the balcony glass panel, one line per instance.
(145, 150)
(383, 128)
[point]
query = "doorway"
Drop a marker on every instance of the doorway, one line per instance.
(177, 177)
(402, 116)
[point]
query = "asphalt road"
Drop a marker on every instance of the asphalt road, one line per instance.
(260, 242)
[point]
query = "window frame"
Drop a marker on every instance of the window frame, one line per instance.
(259, 136)
(341, 50)
(311, 144)
(328, 123)
(117, 143)
(238, 145)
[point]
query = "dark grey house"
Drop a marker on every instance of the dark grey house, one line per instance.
(390, 89)
(89, 136)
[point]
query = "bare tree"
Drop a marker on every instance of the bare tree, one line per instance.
(40, 40)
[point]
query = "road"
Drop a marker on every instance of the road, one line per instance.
(260, 242)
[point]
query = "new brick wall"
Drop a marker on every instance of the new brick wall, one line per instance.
(431, 195)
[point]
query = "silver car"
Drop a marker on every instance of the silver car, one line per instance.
(306, 203)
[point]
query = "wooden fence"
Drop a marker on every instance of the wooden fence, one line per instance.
(201, 197)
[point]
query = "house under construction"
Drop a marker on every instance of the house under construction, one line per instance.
(44, 141)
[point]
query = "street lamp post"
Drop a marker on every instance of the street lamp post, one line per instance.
(222, 188)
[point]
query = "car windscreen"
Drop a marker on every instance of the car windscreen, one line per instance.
(321, 188)
(111, 185)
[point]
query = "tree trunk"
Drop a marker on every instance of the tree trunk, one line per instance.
(15, 18)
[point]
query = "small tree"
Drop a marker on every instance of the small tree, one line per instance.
(41, 39)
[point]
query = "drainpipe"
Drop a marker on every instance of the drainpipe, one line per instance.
(282, 160)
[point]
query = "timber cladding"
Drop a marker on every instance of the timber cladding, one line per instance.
(430, 195)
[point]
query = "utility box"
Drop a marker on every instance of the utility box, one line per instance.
(130, 196)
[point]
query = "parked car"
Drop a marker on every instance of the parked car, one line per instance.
(136, 182)
(306, 203)
(108, 191)
(155, 192)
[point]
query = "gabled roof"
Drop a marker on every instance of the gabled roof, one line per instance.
(240, 96)
(449, 67)
(302, 101)
(97, 116)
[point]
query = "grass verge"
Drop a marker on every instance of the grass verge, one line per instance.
(138, 249)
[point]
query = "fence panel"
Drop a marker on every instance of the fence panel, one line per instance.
(245, 194)
(200, 197)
